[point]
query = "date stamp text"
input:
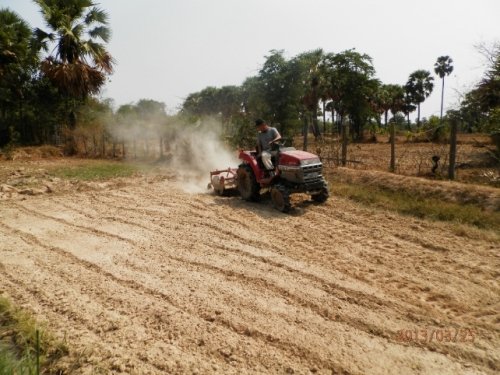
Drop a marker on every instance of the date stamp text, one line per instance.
(428, 335)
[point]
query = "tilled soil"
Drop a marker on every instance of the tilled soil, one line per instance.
(147, 279)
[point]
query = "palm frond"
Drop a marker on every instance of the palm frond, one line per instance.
(77, 79)
(42, 35)
(93, 49)
(78, 30)
(106, 63)
(40, 40)
(101, 32)
(96, 15)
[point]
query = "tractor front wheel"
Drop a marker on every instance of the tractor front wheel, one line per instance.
(247, 184)
(281, 198)
(322, 196)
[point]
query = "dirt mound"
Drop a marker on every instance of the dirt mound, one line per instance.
(20, 180)
(32, 153)
(483, 196)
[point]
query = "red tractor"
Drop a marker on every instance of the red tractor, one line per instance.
(296, 172)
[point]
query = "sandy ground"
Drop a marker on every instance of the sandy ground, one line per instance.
(147, 279)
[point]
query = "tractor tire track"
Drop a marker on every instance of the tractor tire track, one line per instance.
(240, 300)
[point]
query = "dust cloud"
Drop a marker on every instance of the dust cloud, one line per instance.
(189, 150)
(195, 151)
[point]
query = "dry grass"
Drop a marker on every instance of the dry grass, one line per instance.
(32, 153)
(410, 204)
(18, 332)
(475, 161)
(484, 197)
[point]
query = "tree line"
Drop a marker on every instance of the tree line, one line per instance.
(50, 78)
(47, 74)
(297, 91)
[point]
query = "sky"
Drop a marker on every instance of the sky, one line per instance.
(167, 49)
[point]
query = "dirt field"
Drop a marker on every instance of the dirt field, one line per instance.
(143, 278)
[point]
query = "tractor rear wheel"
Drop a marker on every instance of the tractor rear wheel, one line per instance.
(281, 198)
(247, 184)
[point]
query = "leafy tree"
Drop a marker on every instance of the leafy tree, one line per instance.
(253, 103)
(15, 43)
(480, 107)
(471, 112)
(127, 127)
(18, 62)
(150, 110)
(443, 68)
(308, 77)
(44, 109)
(351, 85)
(201, 103)
(280, 90)
(488, 90)
(225, 102)
(419, 87)
(94, 125)
(229, 100)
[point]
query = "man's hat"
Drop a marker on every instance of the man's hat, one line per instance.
(259, 122)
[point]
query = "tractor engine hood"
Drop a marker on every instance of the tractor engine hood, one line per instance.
(297, 158)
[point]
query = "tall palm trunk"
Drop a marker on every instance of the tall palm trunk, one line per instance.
(393, 147)
(418, 115)
(103, 144)
(333, 119)
(324, 118)
(344, 128)
(442, 99)
(305, 131)
(453, 148)
(315, 125)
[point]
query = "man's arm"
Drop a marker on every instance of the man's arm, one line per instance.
(277, 136)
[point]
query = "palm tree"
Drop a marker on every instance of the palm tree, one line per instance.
(420, 86)
(443, 68)
(15, 36)
(396, 104)
(386, 96)
(408, 106)
(79, 63)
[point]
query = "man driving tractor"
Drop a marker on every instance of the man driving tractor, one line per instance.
(281, 171)
(265, 139)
